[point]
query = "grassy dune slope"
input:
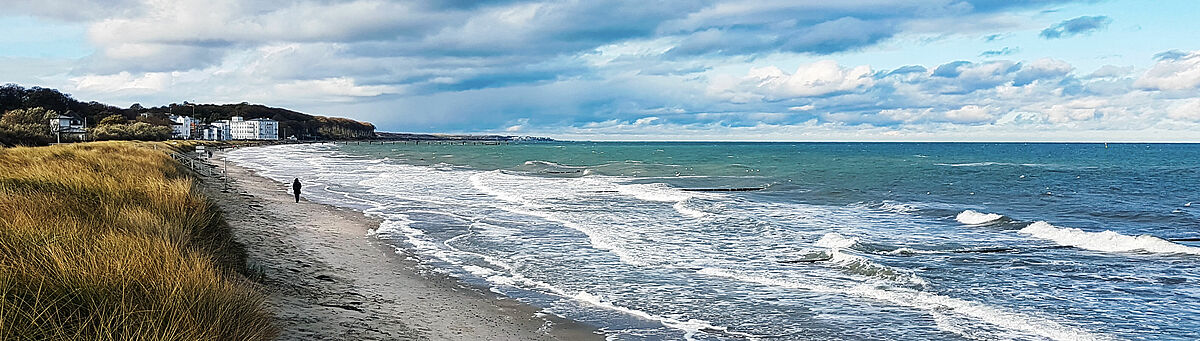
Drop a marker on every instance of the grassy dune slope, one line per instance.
(110, 241)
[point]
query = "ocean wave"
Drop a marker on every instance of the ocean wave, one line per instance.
(971, 217)
(690, 327)
(905, 251)
(834, 240)
(683, 209)
(989, 163)
(550, 164)
(655, 192)
(889, 206)
(862, 266)
(1106, 241)
(967, 318)
(509, 277)
(898, 207)
(858, 265)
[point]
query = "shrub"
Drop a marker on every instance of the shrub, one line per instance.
(133, 131)
(26, 127)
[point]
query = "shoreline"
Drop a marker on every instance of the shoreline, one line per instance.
(326, 279)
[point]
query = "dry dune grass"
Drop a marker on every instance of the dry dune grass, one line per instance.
(109, 241)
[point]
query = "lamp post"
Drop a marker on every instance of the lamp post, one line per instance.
(193, 105)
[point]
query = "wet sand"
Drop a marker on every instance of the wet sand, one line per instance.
(326, 279)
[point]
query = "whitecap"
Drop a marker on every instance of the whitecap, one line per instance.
(683, 208)
(834, 240)
(1105, 241)
(972, 217)
(962, 315)
(654, 192)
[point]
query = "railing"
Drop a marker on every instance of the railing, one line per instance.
(196, 164)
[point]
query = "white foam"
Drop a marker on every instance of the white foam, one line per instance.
(833, 240)
(530, 196)
(548, 163)
(654, 192)
(974, 164)
(621, 232)
(898, 207)
(690, 327)
(971, 217)
(1106, 241)
(859, 265)
(904, 251)
(682, 208)
(862, 266)
(1016, 325)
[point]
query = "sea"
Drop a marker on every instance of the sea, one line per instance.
(811, 241)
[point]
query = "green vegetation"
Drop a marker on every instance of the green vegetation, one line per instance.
(111, 241)
(110, 122)
(31, 126)
(116, 127)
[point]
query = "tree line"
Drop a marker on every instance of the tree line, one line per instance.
(25, 115)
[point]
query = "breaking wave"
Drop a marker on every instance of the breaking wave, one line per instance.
(971, 217)
(1106, 241)
(963, 317)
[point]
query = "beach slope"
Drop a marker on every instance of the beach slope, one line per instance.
(326, 279)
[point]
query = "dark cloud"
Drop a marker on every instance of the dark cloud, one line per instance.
(838, 35)
(1080, 25)
(833, 36)
(471, 65)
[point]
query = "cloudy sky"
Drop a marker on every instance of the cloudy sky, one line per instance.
(800, 70)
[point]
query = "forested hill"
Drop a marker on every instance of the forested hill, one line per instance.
(292, 123)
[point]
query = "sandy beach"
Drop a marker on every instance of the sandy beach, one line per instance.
(327, 279)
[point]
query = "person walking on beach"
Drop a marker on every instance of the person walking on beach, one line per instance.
(296, 188)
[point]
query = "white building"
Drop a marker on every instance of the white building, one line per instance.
(67, 126)
(182, 127)
(255, 129)
(218, 131)
(239, 129)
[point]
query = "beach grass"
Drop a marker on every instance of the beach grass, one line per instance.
(112, 241)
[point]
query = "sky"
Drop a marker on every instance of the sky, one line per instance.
(758, 70)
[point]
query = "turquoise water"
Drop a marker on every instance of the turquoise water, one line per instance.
(845, 241)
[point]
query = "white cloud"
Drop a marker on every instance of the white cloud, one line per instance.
(1188, 110)
(603, 66)
(332, 89)
(1076, 110)
(645, 121)
(970, 114)
(810, 80)
(1173, 74)
(124, 81)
